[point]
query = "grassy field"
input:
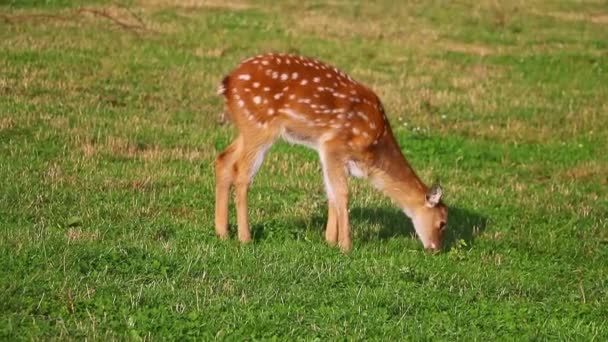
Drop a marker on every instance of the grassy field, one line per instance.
(109, 128)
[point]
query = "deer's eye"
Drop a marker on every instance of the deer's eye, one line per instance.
(442, 225)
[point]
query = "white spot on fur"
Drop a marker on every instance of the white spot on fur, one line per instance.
(256, 84)
(245, 77)
(294, 76)
(316, 80)
(257, 99)
(293, 114)
(363, 116)
(284, 77)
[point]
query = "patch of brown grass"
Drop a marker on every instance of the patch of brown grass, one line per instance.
(469, 48)
(117, 16)
(6, 123)
(79, 235)
(589, 171)
(235, 5)
(405, 32)
(210, 52)
(596, 18)
(124, 148)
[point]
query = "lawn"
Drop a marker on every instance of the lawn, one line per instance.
(109, 125)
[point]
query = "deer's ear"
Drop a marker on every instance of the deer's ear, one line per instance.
(433, 196)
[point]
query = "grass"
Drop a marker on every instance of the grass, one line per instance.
(108, 131)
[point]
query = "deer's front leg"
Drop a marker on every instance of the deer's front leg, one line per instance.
(224, 178)
(336, 185)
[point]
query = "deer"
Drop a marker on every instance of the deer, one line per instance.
(308, 102)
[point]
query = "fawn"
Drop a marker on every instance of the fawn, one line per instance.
(308, 102)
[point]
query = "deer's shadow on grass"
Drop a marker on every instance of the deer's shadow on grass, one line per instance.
(463, 224)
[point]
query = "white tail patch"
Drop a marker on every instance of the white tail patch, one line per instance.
(221, 90)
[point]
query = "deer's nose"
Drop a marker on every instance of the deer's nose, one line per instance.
(433, 247)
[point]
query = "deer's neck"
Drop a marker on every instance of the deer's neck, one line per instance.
(395, 177)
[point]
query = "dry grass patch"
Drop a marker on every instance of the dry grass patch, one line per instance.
(322, 25)
(589, 171)
(117, 16)
(80, 235)
(6, 123)
(468, 48)
(596, 18)
(235, 5)
(210, 52)
(124, 148)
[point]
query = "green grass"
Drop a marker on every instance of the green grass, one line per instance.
(108, 132)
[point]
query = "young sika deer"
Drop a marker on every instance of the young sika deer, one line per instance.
(308, 102)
